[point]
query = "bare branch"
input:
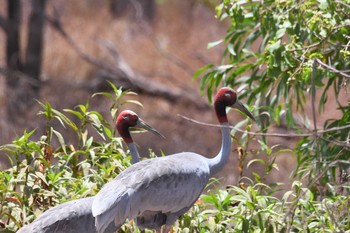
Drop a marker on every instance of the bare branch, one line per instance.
(332, 69)
(124, 73)
(312, 183)
(318, 132)
(313, 93)
(324, 39)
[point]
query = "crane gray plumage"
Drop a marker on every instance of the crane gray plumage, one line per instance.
(168, 185)
(76, 216)
(69, 217)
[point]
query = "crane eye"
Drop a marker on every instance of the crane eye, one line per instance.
(126, 118)
(228, 95)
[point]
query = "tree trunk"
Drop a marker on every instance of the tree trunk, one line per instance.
(13, 37)
(35, 41)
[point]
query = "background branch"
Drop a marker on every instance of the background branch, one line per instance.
(3, 23)
(123, 73)
(316, 133)
(332, 69)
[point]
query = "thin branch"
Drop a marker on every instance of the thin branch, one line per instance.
(313, 182)
(343, 3)
(332, 69)
(122, 71)
(336, 142)
(291, 135)
(321, 40)
(313, 93)
(313, 97)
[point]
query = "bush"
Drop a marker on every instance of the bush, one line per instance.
(47, 172)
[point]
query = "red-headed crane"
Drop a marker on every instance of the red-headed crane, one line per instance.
(165, 186)
(76, 215)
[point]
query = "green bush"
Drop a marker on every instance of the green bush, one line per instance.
(47, 172)
(278, 55)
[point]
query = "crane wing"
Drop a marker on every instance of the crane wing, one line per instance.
(72, 216)
(167, 184)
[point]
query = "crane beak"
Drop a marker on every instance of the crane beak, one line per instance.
(238, 105)
(143, 125)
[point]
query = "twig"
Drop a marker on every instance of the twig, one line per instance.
(313, 93)
(321, 40)
(332, 69)
(313, 96)
(343, 3)
(318, 133)
(303, 192)
(121, 70)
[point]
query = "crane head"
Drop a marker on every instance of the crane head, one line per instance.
(128, 119)
(227, 97)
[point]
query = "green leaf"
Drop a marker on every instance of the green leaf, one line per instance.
(212, 224)
(280, 33)
(273, 46)
(255, 161)
(60, 139)
(201, 70)
(213, 44)
(41, 177)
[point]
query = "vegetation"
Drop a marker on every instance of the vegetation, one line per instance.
(278, 55)
(48, 171)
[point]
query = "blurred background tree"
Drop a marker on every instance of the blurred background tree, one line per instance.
(23, 62)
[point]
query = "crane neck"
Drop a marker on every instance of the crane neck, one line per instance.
(219, 161)
(133, 152)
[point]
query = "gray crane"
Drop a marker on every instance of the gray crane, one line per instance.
(164, 186)
(76, 216)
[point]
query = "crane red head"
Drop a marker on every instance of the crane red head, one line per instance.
(227, 97)
(128, 119)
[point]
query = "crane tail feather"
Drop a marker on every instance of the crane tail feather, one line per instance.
(114, 217)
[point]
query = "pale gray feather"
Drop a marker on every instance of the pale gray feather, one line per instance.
(70, 217)
(168, 185)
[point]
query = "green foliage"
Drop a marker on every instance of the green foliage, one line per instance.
(278, 55)
(49, 171)
(253, 209)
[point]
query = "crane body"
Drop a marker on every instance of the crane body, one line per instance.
(178, 184)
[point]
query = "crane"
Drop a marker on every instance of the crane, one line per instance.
(76, 215)
(168, 185)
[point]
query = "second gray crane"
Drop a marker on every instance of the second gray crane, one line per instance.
(76, 215)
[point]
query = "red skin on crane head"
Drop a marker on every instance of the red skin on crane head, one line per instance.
(125, 120)
(224, 98)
